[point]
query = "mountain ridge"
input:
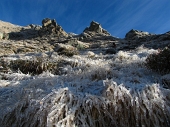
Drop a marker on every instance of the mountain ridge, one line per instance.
(8, 24)
(94, 36)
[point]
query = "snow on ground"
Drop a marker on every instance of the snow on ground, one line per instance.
(56, 100)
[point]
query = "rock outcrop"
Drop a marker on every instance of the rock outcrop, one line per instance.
(94, 32)
(50, 26)
(140, 36)
(136, 34)
(96, 28)
(136, 38)
(96, 36)
(49, 29)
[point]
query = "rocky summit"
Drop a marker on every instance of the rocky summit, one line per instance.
(51, 78)
(96, 28)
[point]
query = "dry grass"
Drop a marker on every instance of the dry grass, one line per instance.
(159, 62)
(117, 106)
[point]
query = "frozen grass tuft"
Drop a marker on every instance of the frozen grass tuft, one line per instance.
(93, 92)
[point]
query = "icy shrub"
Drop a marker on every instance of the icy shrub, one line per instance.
(36, 66)
(159, 62)
(80, 47)
(115, 107)
(4, 65)
(76, 44)
(67, 52)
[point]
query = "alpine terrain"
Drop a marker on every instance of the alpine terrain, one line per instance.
(52, 78)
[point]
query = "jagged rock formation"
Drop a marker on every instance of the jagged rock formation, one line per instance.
(35, 38)
(97, 37)
(96, 28)
(51, 27)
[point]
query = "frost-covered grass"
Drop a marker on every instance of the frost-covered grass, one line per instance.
(102, 91)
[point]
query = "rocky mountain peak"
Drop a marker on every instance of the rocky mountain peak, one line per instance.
(97, 28)
(50, 26)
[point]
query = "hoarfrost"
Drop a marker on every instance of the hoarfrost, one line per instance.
(94, 92)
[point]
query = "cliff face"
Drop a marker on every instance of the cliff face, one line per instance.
(49, 77)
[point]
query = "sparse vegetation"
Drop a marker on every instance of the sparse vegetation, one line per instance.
(41, 85)
(67, 52)
(159, 62)
(33, 67)
(36, 66)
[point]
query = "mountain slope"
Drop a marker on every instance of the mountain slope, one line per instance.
(52, 78)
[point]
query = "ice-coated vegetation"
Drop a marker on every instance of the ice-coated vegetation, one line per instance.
(99, 91)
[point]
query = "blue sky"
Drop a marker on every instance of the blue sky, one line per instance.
(116, 16)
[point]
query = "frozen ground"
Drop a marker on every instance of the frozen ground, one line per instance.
(99, 90)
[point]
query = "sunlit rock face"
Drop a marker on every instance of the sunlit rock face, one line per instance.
(49, 78)
(96, 27)
(50, 26)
